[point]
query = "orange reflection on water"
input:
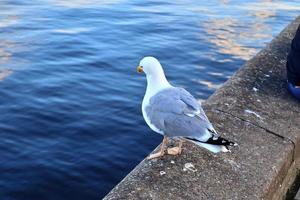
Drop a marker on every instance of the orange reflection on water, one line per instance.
(228, 37)
(8, 21)
(5, 73)
(210, 84)
(5, 45)
(225, 2)
(5, 56)
(262, 14)
(268, 5)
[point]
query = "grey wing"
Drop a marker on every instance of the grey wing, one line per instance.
(178, 114)
(194, 107)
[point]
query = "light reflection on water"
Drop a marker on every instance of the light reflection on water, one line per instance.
(71, 125)
(4, 73)
(82, 3)
(224, 34)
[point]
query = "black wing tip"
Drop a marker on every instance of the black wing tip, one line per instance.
(217, 140)
(221, 141)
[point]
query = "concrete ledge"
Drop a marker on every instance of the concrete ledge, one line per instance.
(254, 109)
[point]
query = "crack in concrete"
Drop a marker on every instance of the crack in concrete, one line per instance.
(267, 130)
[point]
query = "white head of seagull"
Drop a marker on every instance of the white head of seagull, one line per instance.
(156, 79)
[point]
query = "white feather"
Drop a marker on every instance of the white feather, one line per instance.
(212, 148)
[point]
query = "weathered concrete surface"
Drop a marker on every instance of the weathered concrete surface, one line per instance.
(246, 173)
(260, 87)
(267, 140)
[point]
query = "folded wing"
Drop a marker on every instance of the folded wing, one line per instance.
(178, 114)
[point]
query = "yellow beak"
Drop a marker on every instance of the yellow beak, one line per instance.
(139, 69)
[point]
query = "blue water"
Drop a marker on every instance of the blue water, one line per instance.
(71, 125)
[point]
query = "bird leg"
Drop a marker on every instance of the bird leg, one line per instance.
(161, 151)
(175, 150)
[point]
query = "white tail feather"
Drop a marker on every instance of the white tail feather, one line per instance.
(211, 147)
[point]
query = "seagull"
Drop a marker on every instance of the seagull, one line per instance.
(174, 113)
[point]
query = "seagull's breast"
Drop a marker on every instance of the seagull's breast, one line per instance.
(155, 84)
(147, 119)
